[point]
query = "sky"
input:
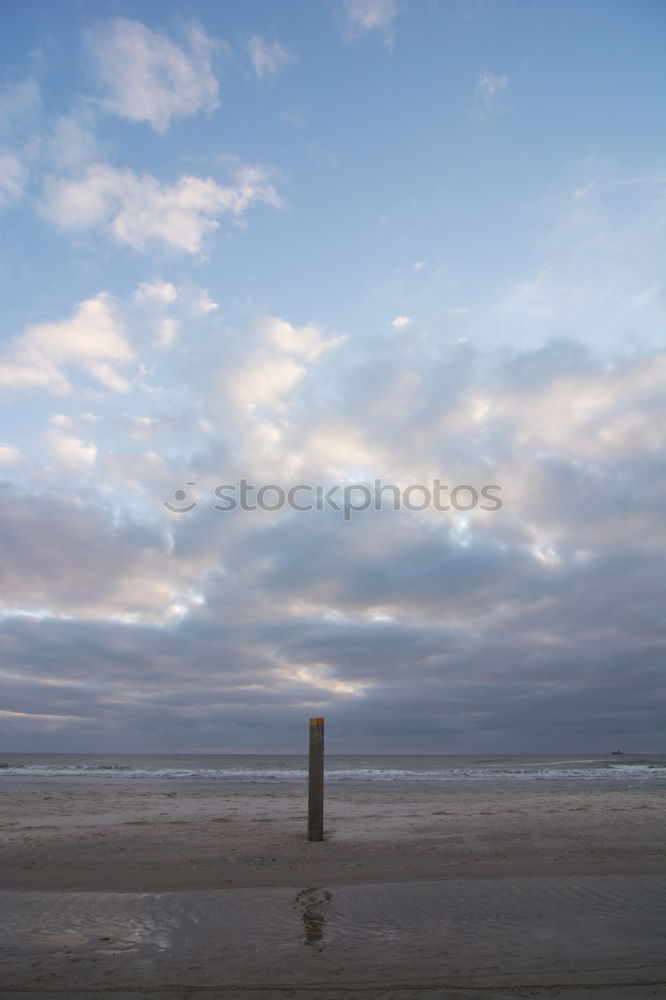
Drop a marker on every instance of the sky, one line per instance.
(332, 375)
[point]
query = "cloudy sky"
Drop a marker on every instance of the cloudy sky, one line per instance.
(323, 245)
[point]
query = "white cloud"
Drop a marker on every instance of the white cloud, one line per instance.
(167, 331)
(204, 303)
(156, 300)
(592, 416)
(148, 77)
(12, 176)
(90, 339)
(19, 112)
(369, 15)
(92, 332)
(29, 140)
(157, 296)
(267, 57)
(271, 361)
(67, 449)
(304, 340)
(136, 209)
(489, 94)
(400, 322)
(108, 376)
(9, 455)
(264, 381)
(72, 143)
(140, 427)
(342, 448)
(160, 292)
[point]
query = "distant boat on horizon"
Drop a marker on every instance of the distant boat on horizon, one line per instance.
(617, 753)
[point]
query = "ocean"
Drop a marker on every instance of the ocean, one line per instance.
(388, 774)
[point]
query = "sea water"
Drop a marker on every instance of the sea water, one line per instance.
(388, 774)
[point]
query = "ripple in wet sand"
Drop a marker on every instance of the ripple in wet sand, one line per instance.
(467, 933)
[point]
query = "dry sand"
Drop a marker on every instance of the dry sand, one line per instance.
(128, 839)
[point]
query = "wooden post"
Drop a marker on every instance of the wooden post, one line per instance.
(316, 781)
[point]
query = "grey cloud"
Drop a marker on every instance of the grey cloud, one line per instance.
(61, 554)
(533, 627)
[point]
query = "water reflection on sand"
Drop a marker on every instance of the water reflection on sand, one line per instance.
(313, 905)
(467, 931)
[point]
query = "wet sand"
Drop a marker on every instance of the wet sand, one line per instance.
(537, 893)
(78, 836)
(558, 937)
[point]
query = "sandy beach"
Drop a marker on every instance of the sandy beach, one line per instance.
(77, 836)
(127, 891)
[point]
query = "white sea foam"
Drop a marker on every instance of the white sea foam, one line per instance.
(354, 772)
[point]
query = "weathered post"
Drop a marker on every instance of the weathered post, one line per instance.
(316, 781)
